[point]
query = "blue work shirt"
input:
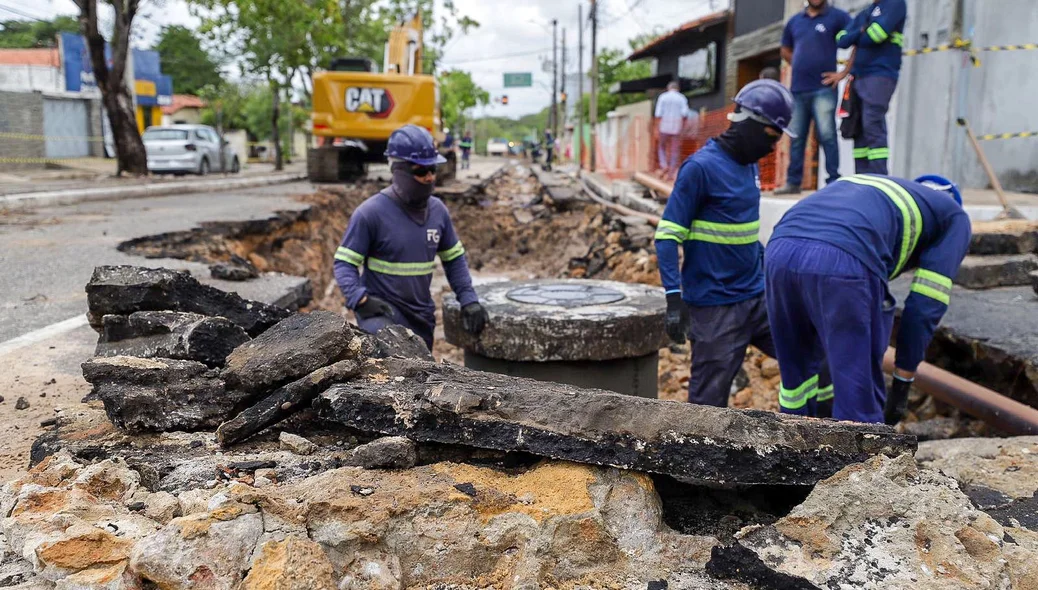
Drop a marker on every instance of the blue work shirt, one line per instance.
(879, 33)
(813, 41)
(714, 215)
(399, 255)
(865, 215)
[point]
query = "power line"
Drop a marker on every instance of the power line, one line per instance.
(17, 12)
(494, 57)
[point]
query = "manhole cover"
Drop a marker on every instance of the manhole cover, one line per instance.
(565, 295)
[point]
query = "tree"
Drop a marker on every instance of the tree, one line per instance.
(613, 67)
(115, 94)
(458, 94)
(20, 34)
(183, 58)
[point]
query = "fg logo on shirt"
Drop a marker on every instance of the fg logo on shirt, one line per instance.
(820, 27)
(757, 180)
(877, 12)
(375, 102)
(432, 236)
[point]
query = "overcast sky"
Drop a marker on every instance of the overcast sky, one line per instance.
(514, 35)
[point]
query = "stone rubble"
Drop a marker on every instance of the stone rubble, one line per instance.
(170, 334)
(296, 444)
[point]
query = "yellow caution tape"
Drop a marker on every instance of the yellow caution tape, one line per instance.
(29, 161)
(1024, 47)
(29, 136)
(1007, 135)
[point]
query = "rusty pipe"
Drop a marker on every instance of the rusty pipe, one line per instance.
(663, 188)
(1006, 414)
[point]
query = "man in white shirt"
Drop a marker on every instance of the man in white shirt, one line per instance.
(672, 116)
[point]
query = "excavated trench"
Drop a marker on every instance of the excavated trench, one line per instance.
(512, 232)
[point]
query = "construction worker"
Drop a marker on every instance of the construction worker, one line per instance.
(396, 236)
(878, 35)
(549, 147)
(809, 45)
(714, 215)
(828, 263)
(466, 149)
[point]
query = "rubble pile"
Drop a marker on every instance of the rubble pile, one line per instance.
(386, 470)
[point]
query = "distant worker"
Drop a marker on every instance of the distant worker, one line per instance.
(549, 146)
(448, 139)
(672, 121)
(396, 236)
(770, 73)
(466, 150)
(878, 34)
(714, 216)
(809, 44)
(828, 263)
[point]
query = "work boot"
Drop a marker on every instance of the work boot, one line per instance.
(789, 189)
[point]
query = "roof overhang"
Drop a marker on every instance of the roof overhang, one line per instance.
(678, 35)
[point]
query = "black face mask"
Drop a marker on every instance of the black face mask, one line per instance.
(409, 192)
(747, 142)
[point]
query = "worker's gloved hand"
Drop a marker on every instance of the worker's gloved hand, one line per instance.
(677, 318)
(373, 306)
(474, 318)
(897, 400)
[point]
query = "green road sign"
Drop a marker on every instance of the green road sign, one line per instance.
(518, 80)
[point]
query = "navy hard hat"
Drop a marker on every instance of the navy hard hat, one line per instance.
(769, 102)
(940, 183)
(414, 144)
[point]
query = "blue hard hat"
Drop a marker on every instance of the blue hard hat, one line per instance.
(769, 102)
(414, 144)
(941, 183)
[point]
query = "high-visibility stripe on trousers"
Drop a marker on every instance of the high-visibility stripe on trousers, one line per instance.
(824, 305)
(871, 149)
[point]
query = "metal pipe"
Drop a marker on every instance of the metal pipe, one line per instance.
(1007, 415)
(664, 188)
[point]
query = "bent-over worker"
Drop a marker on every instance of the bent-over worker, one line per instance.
(396, 236)
(828, 263)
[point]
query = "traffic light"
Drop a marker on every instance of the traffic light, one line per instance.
(563, 97)
(504, 100)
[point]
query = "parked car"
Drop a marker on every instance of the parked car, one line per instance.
(497, 147)
(182, 149)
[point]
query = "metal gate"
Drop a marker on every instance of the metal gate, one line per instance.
(66, 127)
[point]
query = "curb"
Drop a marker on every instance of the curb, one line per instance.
(69, 197)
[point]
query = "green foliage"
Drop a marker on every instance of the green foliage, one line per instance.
(248, 107)
(517, 130)
(21, 34)
(458, 94)
(183, 58)
(613, 67)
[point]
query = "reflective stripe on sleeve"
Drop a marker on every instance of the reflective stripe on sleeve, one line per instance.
(668, 230)
(840, 35)
(861, 153)
(732, 234)
(452, 253)
(911, 216)
(350, 256)
(876, 33)
(932, 285)
(794, 399)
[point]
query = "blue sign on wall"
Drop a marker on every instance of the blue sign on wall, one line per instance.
(79, 71)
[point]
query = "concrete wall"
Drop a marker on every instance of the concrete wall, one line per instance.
(22, 114)
(25, 78)
(187, 116)
(746, 46)
(754, 15)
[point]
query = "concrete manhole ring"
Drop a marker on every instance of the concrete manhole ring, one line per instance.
(565, 294)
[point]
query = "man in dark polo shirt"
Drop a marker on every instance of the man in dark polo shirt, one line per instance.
(809, 43)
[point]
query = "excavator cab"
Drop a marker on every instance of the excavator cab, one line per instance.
(356, 108)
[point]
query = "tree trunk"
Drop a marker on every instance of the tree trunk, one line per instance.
(275, 116)
(115, 94)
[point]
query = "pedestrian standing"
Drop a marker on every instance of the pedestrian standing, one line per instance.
(878, 35)
(549, 146)
(672, 115)
(809, 44)
(396, 236)
(828, 264)
(716, 297)
(466, 150)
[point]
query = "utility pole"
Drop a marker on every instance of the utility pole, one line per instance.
(562, 85)
(594, 82)
(554, 117)
(580, 87)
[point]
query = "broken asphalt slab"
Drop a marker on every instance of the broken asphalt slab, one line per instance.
(426, 402)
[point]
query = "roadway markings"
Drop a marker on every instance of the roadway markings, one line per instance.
(43, 334)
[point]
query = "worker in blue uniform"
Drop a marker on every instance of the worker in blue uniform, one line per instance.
(396, 237)
(877, 33)
(716, 298)
(828, 263)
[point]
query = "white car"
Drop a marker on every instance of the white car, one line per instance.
(183, 149)
(497, 147)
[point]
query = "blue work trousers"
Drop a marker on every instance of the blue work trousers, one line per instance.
(824, 305)
(871, 147)
(818, 106)
(423, 329)
(719, 336)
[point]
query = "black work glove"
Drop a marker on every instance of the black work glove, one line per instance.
(897, 400)
(474, 318)
(373, 306)
(677, 318)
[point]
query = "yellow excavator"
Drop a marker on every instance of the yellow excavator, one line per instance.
(356, 108)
